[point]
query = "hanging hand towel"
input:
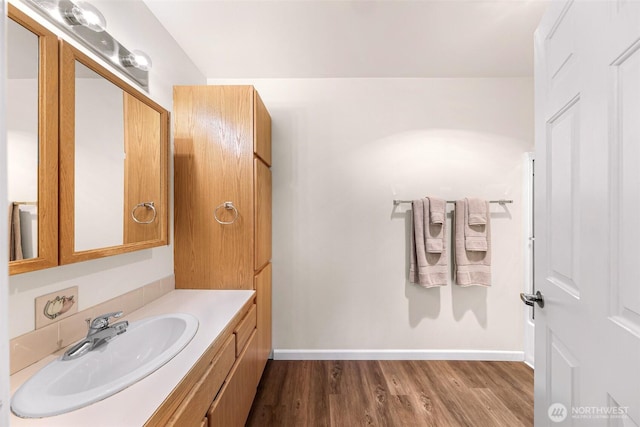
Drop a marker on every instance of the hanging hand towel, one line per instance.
(473, 267)
(15, 235)
(436, 225)
(437, 210)
(475, 235)
(427, 269)
(477, 211)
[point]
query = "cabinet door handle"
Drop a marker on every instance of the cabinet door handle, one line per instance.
(227, 206)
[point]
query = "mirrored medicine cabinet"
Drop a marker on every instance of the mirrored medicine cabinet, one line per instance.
(87, 155)
(32, 143)
(113, 163)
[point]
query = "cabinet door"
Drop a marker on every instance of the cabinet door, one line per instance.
(231, 407)
(262, 184)
(143, 175)
(263, 299)
(199, 399)
(34, 154)
(213, 165)
(262, 128)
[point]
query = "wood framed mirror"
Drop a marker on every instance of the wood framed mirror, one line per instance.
(113, 163)
(32, 143)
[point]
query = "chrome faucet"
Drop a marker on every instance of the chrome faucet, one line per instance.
(99, 331)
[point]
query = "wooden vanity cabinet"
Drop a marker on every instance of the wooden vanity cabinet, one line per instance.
(231, 408)
(201, 395)
(244, 330)
(222, 137)
(220, 388)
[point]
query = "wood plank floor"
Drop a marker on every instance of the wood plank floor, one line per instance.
(393, 393)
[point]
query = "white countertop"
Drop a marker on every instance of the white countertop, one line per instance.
(134, 405)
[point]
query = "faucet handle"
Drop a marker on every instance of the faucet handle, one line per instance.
(102, 321)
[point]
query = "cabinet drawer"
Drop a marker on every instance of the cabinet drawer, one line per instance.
(244, 329)
(204, 422)
(197, 402)
(231, 407)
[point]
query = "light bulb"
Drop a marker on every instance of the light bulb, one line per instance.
(137, 59)
(87, 15)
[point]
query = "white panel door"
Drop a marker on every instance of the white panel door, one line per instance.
(529, 243)
(587, 214)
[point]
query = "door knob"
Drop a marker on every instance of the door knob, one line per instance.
(529, 299)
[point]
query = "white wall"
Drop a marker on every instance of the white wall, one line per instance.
(99, 280)
(343, 149)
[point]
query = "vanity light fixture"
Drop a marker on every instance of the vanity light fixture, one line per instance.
(47, 4)
(85, 14)
(137, 59)
(86, 24)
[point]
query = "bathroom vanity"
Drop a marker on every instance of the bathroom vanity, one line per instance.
(211, 382)
(222, 233)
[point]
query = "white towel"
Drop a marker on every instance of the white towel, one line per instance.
(473, 267)
(427, 269)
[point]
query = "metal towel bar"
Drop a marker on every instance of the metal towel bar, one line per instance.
(500, 202)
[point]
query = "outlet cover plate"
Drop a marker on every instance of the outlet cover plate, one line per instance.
(57, 305)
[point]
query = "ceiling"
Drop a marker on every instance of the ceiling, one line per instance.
(354, 38)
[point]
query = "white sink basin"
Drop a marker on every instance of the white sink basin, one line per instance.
(66, 385)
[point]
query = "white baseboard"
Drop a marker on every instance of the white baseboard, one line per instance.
(503, 356)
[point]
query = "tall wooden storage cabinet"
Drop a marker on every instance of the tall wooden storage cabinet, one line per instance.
(223, 196)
